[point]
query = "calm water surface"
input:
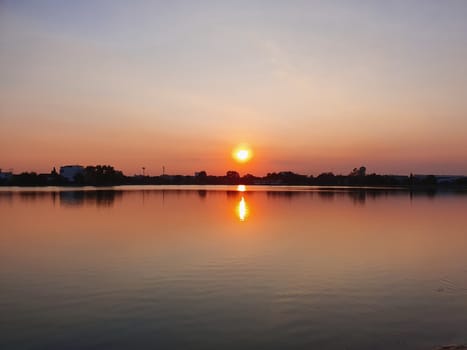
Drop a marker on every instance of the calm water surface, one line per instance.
(219, 268)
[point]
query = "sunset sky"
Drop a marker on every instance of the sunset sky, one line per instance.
(311, 86)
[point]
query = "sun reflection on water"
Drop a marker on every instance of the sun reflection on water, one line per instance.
(241, 188)
(242, 210)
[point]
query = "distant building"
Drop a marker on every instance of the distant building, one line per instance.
(447, 179)
(5, 176)
(69, 172)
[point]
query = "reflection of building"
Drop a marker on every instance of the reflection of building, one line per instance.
(69, 172)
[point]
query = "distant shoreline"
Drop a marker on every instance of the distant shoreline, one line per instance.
(106, 175)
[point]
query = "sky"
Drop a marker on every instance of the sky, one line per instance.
(310, 86)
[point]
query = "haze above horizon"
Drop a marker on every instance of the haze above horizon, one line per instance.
(310, 86)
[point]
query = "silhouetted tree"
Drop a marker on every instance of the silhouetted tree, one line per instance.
(326, 179)
(200, 178)
(249, 179)
(28, 179)
(102, 175)
(358, 172)
(232, 177)
(429, 180)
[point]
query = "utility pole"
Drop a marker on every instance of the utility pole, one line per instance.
(144, 169)
(163, 170)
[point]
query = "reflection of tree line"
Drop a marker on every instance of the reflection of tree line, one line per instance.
(106, 198)
(27, 196)
(359, 196)
(101, 198)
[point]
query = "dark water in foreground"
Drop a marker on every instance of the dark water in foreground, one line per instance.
(218, 269)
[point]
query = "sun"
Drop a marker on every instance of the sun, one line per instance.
(242, 154)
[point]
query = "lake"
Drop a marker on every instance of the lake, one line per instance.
(232, 268)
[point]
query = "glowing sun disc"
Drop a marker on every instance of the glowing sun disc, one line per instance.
(242, 154)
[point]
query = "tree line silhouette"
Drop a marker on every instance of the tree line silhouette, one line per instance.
(106, 175)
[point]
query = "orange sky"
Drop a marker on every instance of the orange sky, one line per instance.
(311, 86)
